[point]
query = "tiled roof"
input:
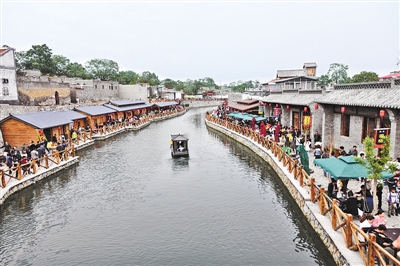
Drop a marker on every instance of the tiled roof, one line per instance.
(312, 64)
(95, 110)
(244, 107)
(126, 102)
(290, 73)
(72, 115)
(128, 107)
(43, 120)
(248, 101)
(163, 104)
(2, 50)
(292, 98)
(379, 97)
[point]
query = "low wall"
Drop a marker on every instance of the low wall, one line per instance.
(301, 195)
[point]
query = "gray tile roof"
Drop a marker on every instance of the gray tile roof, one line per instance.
(311, 64)
(290, 73)
(128, 107)
(42, 120)
(163, 104)
(379, 97)
(72, 115)
(95, 110)
(292, 98)
(126, 102)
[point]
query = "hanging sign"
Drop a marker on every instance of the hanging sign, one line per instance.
(277, 111)
(379, 134)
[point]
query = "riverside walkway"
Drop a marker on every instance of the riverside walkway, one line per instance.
(339, 232)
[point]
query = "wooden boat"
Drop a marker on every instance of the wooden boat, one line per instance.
(179, 146)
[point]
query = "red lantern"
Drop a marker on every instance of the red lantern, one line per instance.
(287, 106)
(316, 106)
(382, 113)
(270, 104)
(305, 108)
(342, 109)
(261, 103)
(59, 128)
(277, 105)
(87, 118)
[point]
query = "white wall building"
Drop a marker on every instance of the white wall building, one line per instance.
(8, 76)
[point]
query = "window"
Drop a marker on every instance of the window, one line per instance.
(95, 86)
(345, 125)
(5, 81)
(369, 124)
(102, 87)
(112, 88)
(5, 91)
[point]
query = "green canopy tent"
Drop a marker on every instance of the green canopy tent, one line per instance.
(345, 167)
(246, 116)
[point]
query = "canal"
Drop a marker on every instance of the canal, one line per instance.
(128, 202)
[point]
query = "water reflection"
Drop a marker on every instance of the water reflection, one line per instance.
(306, 239)
(180, 164)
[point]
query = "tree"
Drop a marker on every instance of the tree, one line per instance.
(376, 164)
(128, 77)
(169, 83)
(324, 80)
(365, 76)
(149, 78)
(76, 70)
(338, 73)
(60, 64)
(103, 69)
(38, 57)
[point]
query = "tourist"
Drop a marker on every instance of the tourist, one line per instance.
(393, 201)
(351, 204)
(379, 192)
(307, 146)
(7, 147)
(317, 152)
(366, 225)
(362, 155)
(353, 151)
(317, 138)
(342, 152)
(379, 219)
(333, 189)
(364, 193)
(384, 241)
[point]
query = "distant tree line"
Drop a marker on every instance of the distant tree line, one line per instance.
(41, 57)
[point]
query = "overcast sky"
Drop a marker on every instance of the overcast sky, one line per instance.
(225, 40)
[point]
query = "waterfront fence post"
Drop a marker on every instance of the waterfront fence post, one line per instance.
(349, 239)
(312, 189)
(73, 150)
(46, 161)
(3, 181)
(33, 164)
(334, 214)
(371, 253)
(301, 180)
(19, 171)
(321, 200)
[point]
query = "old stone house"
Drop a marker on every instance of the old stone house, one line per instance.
(8, 77)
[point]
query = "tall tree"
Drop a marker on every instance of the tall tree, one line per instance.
(76, 70)
(128, 77)
(149, 78)
(38, 57)
(324, 80)
(169, 83)
(365, 76)
(103, 69)
(338, 73)
(60, 64)
(375, 164)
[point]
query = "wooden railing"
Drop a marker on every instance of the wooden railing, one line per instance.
(368, 249)
(20, 170)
